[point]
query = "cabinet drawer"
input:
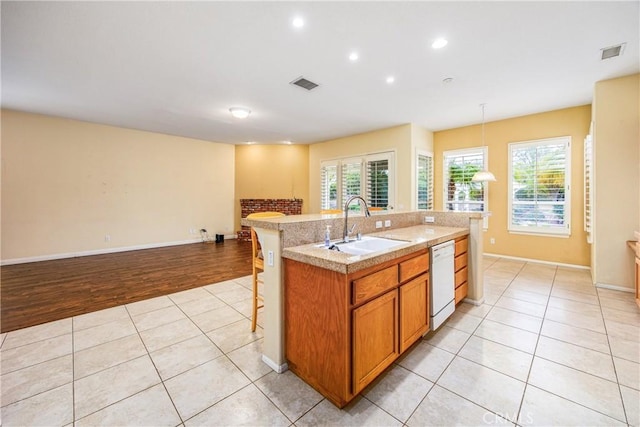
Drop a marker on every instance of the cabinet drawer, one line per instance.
(461, 277)
(461, 246)
(460, 261)
(414, 267)
(374, 284)
(461, 292)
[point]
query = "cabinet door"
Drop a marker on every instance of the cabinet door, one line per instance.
(375, 338)
(414, 314)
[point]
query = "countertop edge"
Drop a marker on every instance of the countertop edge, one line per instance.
(346, 264)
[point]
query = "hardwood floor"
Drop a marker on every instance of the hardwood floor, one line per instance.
(41, 292)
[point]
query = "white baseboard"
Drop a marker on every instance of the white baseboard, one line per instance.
(474, 301)
(101, 251)
(615, 287)
(273, 365)
(537, 261)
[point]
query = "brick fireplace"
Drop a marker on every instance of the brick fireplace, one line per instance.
(249, 206)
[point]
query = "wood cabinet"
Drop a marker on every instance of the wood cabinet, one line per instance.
(343, 330)
(414, 306)
(375, 338)
(461, 270)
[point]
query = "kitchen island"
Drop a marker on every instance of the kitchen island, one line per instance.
(296, 237)
(348, 317)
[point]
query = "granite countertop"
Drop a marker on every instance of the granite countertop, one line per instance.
(416, 237)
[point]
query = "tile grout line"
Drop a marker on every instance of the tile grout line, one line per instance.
(454, 357)
(535, 349)
(613, 362)
(164, 386)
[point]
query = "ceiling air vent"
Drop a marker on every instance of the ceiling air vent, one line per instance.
(304, 83)
(612, 51)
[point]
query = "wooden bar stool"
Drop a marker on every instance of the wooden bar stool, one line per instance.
(257, 261)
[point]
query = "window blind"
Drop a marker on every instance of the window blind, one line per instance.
(351, 181)
(588, 185)
(425, 182)
(329, 186)
(378, 183)
(462, 194)
(539, 186)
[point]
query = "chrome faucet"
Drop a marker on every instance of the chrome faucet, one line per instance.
(363, 202)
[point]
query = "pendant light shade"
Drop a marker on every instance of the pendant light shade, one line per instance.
(483, 176)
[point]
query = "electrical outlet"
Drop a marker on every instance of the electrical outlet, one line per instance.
(270, 258)
(492, 241)
(378, 224)
(107, 237)
(429, 219)
(387, 223)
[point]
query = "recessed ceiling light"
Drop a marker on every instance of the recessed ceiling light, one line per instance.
(239, 112)
(447, 80)
(439, 43)
(390, 79)
(353, 56)
(297, 22)
(250, 142)
(287, 142)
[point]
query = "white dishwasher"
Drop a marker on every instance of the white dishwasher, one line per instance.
(442, 289)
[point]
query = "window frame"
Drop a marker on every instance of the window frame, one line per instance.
(484, 150)
(564, 231)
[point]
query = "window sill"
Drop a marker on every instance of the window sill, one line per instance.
(540, 234)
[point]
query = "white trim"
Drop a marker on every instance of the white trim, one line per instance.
(273, 365)
(538, 261)
(529, 233)
(615, 287)
(101, 251)
(474, 301)
(484, 149)
(542, 230)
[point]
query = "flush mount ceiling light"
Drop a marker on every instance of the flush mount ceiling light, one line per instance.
(439, 43)
(287, 142)
(390, 79)
(239, 112)
(483, 176)
(297, 22)
(353, 56)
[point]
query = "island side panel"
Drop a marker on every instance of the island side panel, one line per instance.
(317, 328)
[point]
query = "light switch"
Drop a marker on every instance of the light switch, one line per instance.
(270, 258)
(387, 223)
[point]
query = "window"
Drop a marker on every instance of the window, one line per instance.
(425, 181)
(369, 176)
(329, 185)
(460, 193)
(539, 174)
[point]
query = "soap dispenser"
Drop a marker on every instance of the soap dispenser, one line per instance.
(327, 236)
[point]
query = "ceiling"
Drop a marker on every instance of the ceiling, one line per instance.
(177, 67)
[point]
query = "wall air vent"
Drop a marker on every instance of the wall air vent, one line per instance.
(304, 83)
(612, 51)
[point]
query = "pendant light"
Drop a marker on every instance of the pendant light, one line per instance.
(483, 175)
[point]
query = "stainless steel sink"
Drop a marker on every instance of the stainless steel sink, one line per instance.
(367, 245)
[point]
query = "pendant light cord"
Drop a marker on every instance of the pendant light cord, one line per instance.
(482, 106)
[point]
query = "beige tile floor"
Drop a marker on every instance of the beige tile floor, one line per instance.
(547, 348)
